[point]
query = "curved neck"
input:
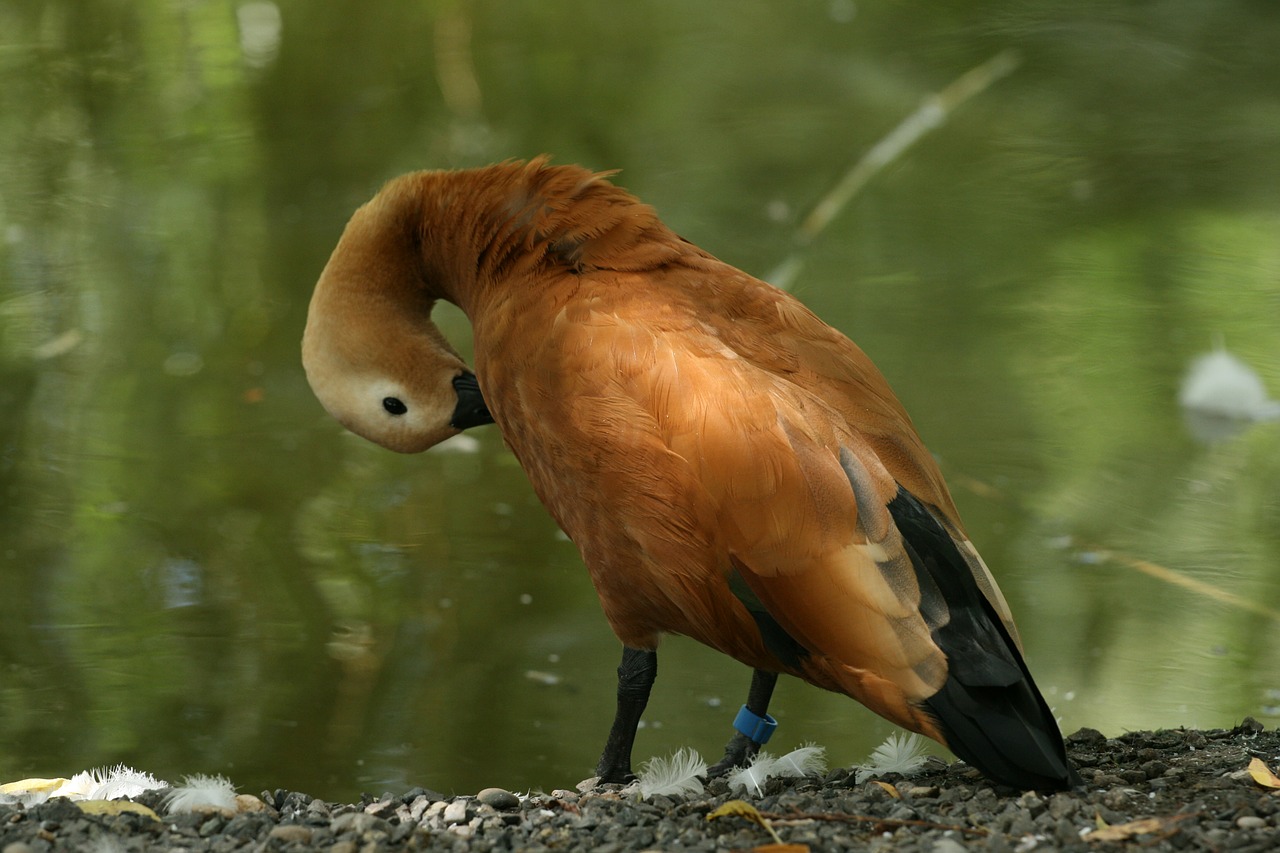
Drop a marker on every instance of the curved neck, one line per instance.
(464, 233)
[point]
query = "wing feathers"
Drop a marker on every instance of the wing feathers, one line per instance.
(989, 708)
(784, 509)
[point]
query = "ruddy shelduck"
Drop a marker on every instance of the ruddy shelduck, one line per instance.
(730, 467)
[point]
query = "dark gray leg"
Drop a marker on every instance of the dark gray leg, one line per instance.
(636, 674)
(742, 749)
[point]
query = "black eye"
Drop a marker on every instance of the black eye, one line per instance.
(394, 406)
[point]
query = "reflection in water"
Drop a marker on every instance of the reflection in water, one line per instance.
(200, 573)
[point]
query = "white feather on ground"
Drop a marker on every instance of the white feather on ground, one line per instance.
(101, 783)
(898, 754)
(201, 792)
(752, 777)
(805, 761)
(674, 776)
(808, 760)
(119, 782)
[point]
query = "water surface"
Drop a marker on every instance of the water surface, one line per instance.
(199, 572)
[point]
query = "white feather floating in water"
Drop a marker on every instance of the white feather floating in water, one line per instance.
(897, 754)
(674, 776)
(1222, 385)
(200, 792)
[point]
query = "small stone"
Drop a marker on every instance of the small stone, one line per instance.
(1033, 804)
(1087, 737)
(289, 801)
(948, 845)
(1022, 826)
(291, 833)
(1251, 822)
(1116, 799)
(1154, 768)
(358, 822)
(1252, 726)
(498, 798)
(249, 804)
(1063, 805)
(455, 812)
(344, 847)
(18, 847)
(383, 808)
(418, 808)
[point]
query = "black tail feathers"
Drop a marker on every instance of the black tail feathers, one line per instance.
(1006, 732)
(989, 709)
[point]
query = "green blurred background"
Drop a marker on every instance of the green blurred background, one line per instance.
(199, 572)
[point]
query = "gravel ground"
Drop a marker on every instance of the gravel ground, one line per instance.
(1164, 790)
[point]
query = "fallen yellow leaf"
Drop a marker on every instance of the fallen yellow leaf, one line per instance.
(31, 786)
(740, 808)
(781, 848)
(889, 789)
(1262, 774)
(115, 807)
(736, 808)
(1125, 831)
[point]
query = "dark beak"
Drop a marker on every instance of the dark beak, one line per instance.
(471, 410)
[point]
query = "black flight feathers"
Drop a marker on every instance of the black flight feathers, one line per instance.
(989, 709)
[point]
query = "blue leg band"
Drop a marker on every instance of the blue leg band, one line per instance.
(758, 728)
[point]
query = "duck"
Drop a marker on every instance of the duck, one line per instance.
(731, 468)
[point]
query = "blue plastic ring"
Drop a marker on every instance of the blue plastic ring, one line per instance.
(758, 728)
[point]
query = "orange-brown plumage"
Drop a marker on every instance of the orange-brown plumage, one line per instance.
(730, 467)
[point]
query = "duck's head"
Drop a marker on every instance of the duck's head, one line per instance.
(372, 355)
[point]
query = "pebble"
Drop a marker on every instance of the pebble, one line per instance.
(1223, 808)
(1063, 805)
(948, 845)
(357, 822)
(456, 812)
(499, 798)
(291, 833)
